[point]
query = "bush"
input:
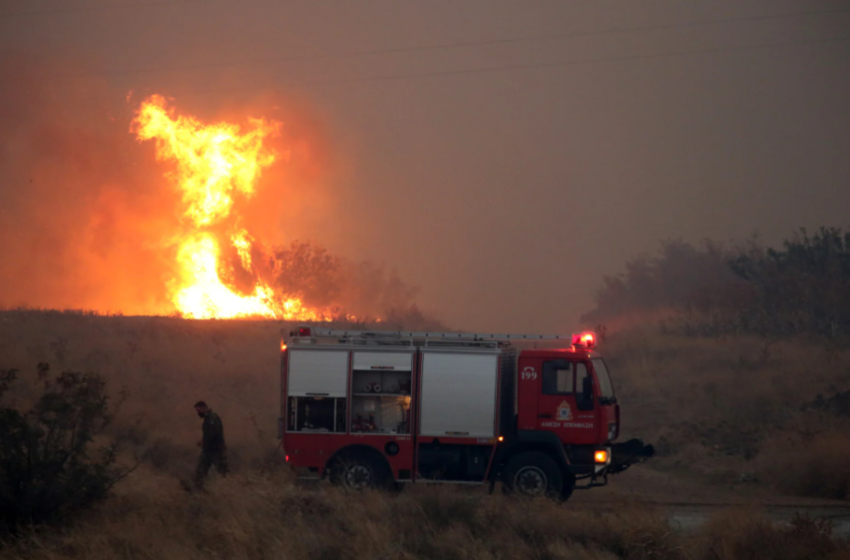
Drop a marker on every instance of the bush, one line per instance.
(715, 289)
(47, 469)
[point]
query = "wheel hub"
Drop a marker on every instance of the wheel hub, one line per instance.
(358, 477)
(531, 481)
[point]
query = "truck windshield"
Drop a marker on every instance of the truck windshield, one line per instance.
(606, 388)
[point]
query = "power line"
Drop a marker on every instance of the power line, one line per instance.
(495, 69)
(105, 7)
(508, 40)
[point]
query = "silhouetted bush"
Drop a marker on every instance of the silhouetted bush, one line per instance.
(712, 289)
(344, 289)
(679, 276)
(47, 466)
(803, 287)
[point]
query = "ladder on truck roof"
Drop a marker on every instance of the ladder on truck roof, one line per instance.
(406, 338)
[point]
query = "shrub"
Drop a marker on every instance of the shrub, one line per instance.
(714, 289)
(47, 468)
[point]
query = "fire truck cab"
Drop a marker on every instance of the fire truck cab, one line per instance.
(374, 409)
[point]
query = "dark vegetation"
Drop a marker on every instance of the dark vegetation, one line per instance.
(361, 291)
(48, 468)
(322, 279)
(714, 289)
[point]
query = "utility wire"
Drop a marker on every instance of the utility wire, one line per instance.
(495, 69)
(509, 40)
(104, 7)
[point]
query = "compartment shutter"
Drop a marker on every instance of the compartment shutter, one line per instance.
(458, 395)
(318, 372)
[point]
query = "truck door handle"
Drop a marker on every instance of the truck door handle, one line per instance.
(544, 416)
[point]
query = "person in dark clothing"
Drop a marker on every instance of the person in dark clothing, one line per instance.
(213, 449)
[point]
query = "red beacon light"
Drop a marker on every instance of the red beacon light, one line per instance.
(584, 340)
(305, 331)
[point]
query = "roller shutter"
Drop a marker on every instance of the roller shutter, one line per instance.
(318, 372)
(458, 395)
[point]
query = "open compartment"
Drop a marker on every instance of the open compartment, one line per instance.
(317, 414)
(380, 393)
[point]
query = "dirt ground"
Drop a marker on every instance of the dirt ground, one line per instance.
(690, 501)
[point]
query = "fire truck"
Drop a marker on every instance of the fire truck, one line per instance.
(381, 409)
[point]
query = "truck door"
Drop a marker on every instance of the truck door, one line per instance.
(565, 404)
(609, 410)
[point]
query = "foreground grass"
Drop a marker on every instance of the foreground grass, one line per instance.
(256, 515)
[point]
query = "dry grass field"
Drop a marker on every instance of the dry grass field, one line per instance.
(266, 516)
(770, 411)
(723, 411)
(166, 364)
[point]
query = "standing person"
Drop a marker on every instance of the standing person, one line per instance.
(213, 450)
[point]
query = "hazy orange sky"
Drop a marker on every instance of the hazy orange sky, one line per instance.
(504, 155)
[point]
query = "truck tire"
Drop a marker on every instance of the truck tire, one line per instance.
(534, 474)
(568, 487)
(359, 471)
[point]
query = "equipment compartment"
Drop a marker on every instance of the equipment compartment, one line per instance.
(380, 402)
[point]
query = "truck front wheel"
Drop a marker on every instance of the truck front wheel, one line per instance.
(533, 474)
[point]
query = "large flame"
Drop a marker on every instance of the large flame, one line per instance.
(215, 162)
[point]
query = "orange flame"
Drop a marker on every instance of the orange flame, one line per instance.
(214, 162)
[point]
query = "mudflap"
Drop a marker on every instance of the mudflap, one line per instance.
(626, 454)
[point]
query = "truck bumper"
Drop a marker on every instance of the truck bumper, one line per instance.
(621, 457)
(628, 453)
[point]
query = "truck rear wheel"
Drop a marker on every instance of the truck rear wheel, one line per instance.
(359, 471)
(533, 474)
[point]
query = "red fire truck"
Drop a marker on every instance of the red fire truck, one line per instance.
(374, 409)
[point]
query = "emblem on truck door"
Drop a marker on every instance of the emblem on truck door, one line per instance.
(565, 413)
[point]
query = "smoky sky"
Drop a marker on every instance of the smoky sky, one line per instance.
(503, 156)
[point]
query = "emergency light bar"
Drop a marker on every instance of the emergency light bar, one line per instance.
(585, 340)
